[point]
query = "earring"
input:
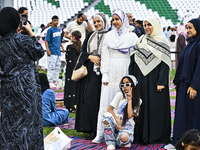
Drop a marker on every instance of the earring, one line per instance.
(182, 144)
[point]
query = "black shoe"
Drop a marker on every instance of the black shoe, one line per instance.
(91, 136)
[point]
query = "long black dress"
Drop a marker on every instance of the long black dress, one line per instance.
(88, 95)
(70, 85)
(187, 110)
(155, 121)
(21, 101)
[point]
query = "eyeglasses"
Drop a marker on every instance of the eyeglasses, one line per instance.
(125, 85)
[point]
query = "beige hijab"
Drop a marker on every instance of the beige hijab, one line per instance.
(151, 49)
(95, 42)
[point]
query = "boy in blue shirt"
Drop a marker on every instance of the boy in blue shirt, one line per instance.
(53, 43)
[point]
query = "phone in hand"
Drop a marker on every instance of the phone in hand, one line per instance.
(23, 21)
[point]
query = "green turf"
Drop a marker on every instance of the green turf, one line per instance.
(58, 91)
(172, 89)
(173, 97)
(42, 71)
(47, 130)
(173, 71)
(72, 115)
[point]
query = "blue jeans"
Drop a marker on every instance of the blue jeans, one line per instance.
(53, 68)
(112, 136)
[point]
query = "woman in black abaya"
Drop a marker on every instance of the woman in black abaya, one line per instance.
(150, 64)
(89, 88)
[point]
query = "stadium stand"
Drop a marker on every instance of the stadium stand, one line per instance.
(41, 11)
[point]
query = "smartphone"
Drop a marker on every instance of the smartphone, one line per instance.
(23, 21)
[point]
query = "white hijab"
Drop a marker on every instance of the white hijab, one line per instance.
(121, 39)
(151, 49)
(133, 78)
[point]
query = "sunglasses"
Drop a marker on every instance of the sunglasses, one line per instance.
(125, 85)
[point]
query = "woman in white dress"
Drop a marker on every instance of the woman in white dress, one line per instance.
(115, 60)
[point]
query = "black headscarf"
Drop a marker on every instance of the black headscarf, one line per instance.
(187, 68)
(9, 20)
(196, 24)
(43, 82)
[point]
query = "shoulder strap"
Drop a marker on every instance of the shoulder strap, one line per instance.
(77, 60)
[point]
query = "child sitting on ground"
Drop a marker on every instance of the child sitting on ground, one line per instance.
(119, 119)
(189, 141)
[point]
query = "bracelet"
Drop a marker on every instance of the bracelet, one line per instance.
(86, 20)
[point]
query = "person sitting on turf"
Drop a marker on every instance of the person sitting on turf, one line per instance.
(51, 116)
(119, 118)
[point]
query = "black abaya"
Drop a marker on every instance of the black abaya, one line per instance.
(70, 85)
(155, 121)
(88, 95)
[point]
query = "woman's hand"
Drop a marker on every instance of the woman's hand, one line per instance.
(19, 31)
(192, 91)
(95, 59)
(118, 127)
(105, 79)
(28, 28)
(160, 87)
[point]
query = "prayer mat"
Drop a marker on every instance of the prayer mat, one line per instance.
(59, 95)
(80, 144)
(69, 125)
(172, 102)
(172, 93)
(55, 88)
(60, 107)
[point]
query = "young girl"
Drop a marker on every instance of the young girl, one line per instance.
(189, 141)
(72, 53)
(118, 120)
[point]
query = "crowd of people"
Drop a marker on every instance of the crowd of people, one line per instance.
(123, 99)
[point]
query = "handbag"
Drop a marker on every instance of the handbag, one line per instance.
(79, 73)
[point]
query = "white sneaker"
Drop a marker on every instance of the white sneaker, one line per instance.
(111, 147)
(170, 146)
(128, 145)
(97, 139)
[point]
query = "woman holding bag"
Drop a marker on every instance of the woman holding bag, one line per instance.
(89, 87)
